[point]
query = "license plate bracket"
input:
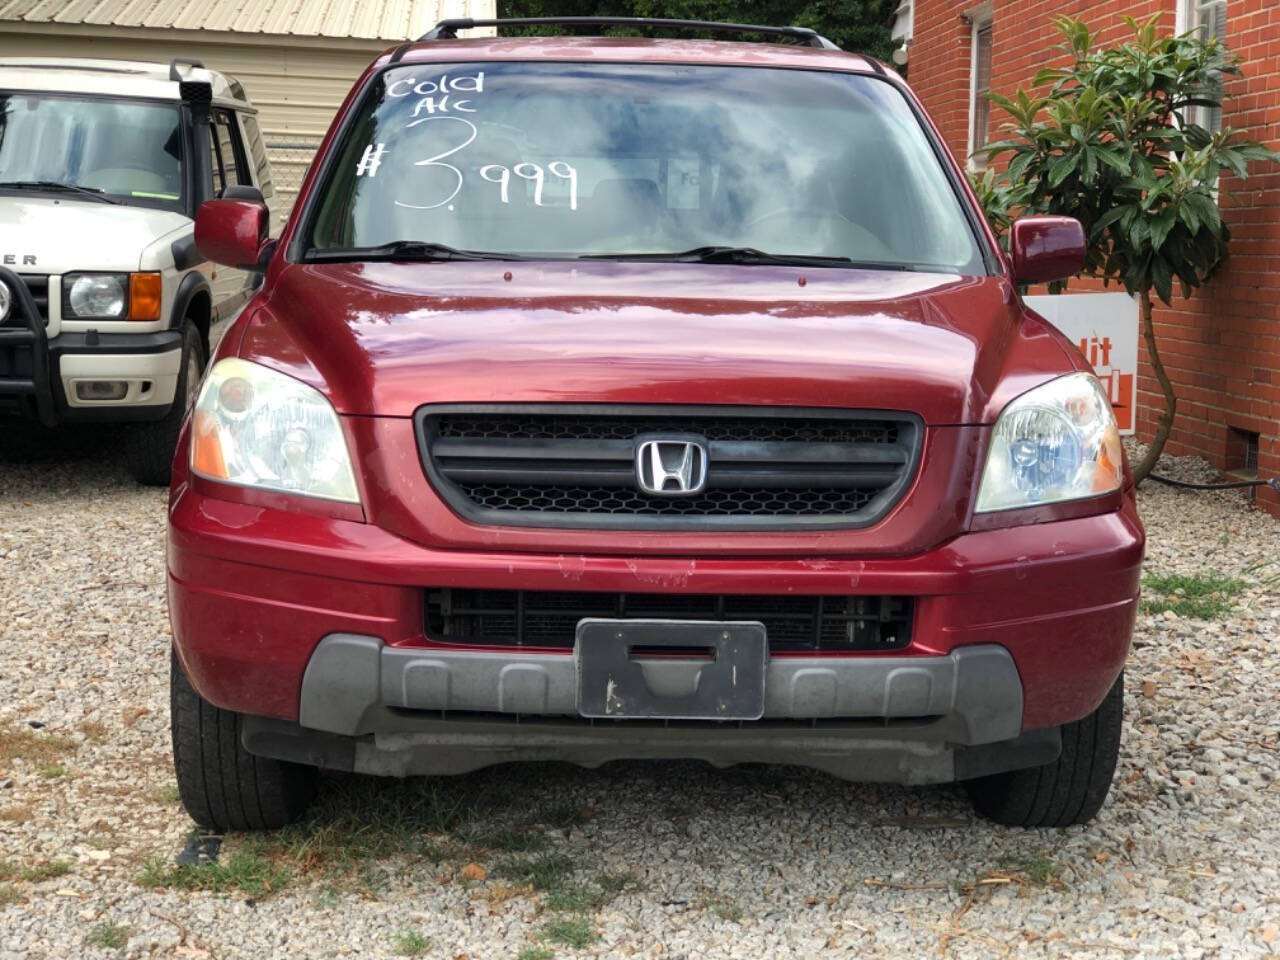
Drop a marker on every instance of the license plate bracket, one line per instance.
(670, 669)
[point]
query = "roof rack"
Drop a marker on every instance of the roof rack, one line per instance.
(448, 29)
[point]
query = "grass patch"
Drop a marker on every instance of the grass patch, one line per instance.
(547, 873)
(166, 794)
(410, 943)
(1037, 871)
(52, 771)
(512, 840)
(575, 932)
(109, 935)
(536, 953)
(578, 898)
(48, 870)
(243, 872)
(615, 884)
(361, 820)
(1198, 597)
(94, 732)
(9, 894)
(32, 746)
(723, 907)
(7, 869)
(20, 813)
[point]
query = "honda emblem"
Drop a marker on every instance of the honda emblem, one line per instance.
(671, 467)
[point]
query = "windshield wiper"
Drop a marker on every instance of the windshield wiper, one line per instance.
(747, 256)
(402, 250)
(94, 192)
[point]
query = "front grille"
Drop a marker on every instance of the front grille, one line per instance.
(39, 289)
(575, 466)
(536, 618)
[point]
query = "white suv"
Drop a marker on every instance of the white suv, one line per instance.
(108, 312)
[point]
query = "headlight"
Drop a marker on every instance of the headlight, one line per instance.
(112, 296)
(1056, 442)
(259, 428)
(98, 295)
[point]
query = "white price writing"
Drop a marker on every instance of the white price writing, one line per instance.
(437, 101)
(435, 161)
(501, 175)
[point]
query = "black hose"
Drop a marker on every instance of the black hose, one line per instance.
(1273, 483)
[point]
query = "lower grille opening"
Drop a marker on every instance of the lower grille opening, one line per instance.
(537, 618)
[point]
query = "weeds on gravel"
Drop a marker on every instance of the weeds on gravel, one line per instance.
(20, 813)
(7, 869)
(723, 907)
(166, 794)
(549, 873)
(48, 870)
(32, 746)
(511, 840)
(9, 894)
(617, 883)
(536, 953)
(410, 943)
(577, 898)
(575, 932)
(94, 731)
(109, 935)
(244, 872)
(1199, 597)
(360, 820)
(52, 771)
(1038, 871)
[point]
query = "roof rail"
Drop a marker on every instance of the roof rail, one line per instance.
(448, 29)
(174, 75)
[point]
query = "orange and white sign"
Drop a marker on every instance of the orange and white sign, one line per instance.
(1105, 328)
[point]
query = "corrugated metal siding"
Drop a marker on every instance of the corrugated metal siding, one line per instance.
(365, 19)
(297, 89)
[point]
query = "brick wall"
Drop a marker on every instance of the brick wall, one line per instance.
(1221, 347)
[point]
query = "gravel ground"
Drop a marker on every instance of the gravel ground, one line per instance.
(697, 863)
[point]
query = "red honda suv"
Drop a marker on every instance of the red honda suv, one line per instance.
(618, 398)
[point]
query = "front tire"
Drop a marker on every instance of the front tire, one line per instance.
(149, 446)
(1072, 788)
(222, 785)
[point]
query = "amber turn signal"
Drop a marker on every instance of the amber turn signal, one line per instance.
(144, 296)
(206, 446)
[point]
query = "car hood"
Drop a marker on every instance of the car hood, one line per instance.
(385, 338)
(64, 234)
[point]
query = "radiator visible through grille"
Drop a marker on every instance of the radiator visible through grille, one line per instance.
(536, 618)
(579, 466)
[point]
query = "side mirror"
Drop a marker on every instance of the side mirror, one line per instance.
(233, 232)
(1044, 249)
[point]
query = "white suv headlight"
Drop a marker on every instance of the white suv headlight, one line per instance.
(1056, 442)
(259, 428)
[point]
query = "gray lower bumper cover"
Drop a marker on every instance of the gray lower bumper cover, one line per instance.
(400, 711)
(972, 696)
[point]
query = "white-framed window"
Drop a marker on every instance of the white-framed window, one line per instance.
(1208, 18)
(980, 36)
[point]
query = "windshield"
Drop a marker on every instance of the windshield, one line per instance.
(127, 150)
(564, 160)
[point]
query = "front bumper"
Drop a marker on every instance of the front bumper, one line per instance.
(373, 708)
(147, 364)
(255, 589)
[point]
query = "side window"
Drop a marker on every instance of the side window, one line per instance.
(228, 163)
(1208, 18)
(979, 88)
(257, 155)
